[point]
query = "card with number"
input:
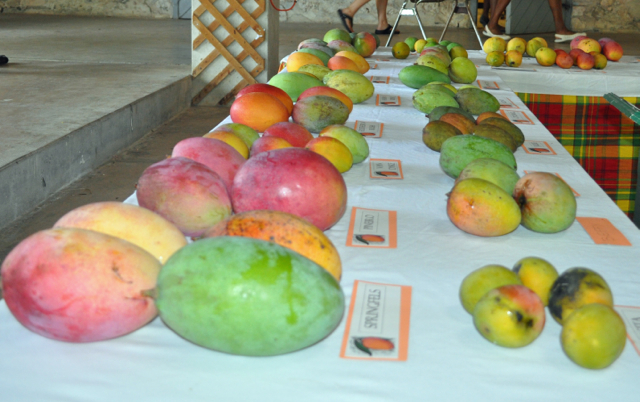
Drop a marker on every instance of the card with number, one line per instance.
(516, 116)
(538, 148)
(371, 129)
(377, 325)
(602, 231)
(388, 169)
(506, 103)
(488, 85)
(372, 228)
(387, 100)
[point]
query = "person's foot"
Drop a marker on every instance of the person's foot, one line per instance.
(347, 20)
(491, 34)
(559, 38)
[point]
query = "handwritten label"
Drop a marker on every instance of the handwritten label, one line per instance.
(378, 79)
(372, 228)
(631, 317)
(602, 231)
(516, 116)
(377, 326)
(371, 129)
(538, 148)
(487, 85)
(506, 103)
(388, 169)
(387, 100)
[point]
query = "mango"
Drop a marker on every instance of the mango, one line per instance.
(334, 150)
(476, 101)
(427, 98)
(437, 132)
(477, 283)
(317, 71)
(416, 76)
(246, 133)
(462, 70)
(459, 121)
(496, 134)
(299, 59)
(78, 285)
(433, 62)
(311, 40)
(481, 208)
(129, 222)
(353, 84)
(316, 52)
(338, 45)
(318, 46)
(286, 230)
(491, 170)
(317, 112)
(336, 34)
(457, 152)
(442, 110)
(185, 192)
(575, 288)
(507, 126)
(248, 297)
(353, 140)
(294, 83)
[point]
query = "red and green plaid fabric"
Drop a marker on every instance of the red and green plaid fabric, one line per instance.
(604, 141)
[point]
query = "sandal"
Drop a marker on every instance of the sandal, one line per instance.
(344, 17)
(386, 31)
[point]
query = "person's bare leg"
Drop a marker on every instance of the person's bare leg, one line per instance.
(496, 12)
(558, 19)
(381, 6)
(353, 8)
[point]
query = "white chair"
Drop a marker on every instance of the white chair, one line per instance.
(410, 7)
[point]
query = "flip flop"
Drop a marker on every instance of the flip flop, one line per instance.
(344, 18)
(386, 31)
(490, 34)
(566, 38)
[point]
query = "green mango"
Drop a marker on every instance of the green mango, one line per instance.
(476, 101)
(457, 152)
(416, 76)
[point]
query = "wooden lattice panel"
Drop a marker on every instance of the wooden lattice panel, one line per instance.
(229, 19)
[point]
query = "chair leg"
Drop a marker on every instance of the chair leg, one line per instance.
(473, 25)
(424, 35)
(393, 30)
(453, 11)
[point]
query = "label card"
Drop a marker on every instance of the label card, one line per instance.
(521, 69)
(631, 317)
(486, 85)
(383, 59)
(506, 103)
(378, 79)
(387, 100)
(516, 116)
(602, 231)
(372, 228)
(377, 325)
(373, 66)
(371, 129)
(538, 148)
(575, 193)
(388, 169)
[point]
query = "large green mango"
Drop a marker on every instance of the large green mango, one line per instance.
(246, 296)
(428, 98)
(416, 76)
(456, 152)
(294, 83)
(351, 83)
(476, 101)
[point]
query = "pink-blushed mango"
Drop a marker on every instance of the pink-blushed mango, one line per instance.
(365, 44)
(264, 144)
(230, 139)
(293, 180)
(245, 132)
(293, 133)
(78, 285)
(271, 90)
(317, 112)
(328, 92)
(342, 63)
(334, 150)
(258, 110)
(217, 155)
(185, 192)
(612, 50)
(129, 222)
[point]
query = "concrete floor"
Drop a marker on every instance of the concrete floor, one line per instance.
(95, 81)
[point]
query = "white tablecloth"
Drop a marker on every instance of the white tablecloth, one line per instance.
(447, 359)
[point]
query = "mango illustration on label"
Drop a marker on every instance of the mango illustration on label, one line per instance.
(388, 100)
(376, 79)
(538, 148)
(377, 326)
(516, 116)
(385, 169)
(372, 228)
(371, 129)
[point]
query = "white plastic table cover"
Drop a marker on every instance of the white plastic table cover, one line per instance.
(447, 359)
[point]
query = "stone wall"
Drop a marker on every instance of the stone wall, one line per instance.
(606, 15)
(105, 8)
(588, 15)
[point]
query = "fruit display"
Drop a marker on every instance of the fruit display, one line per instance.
(508, 309)
(586, 53)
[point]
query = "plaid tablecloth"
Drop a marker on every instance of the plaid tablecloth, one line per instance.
(604, 141)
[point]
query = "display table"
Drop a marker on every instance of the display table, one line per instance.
(571, 105)
(447, 360)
